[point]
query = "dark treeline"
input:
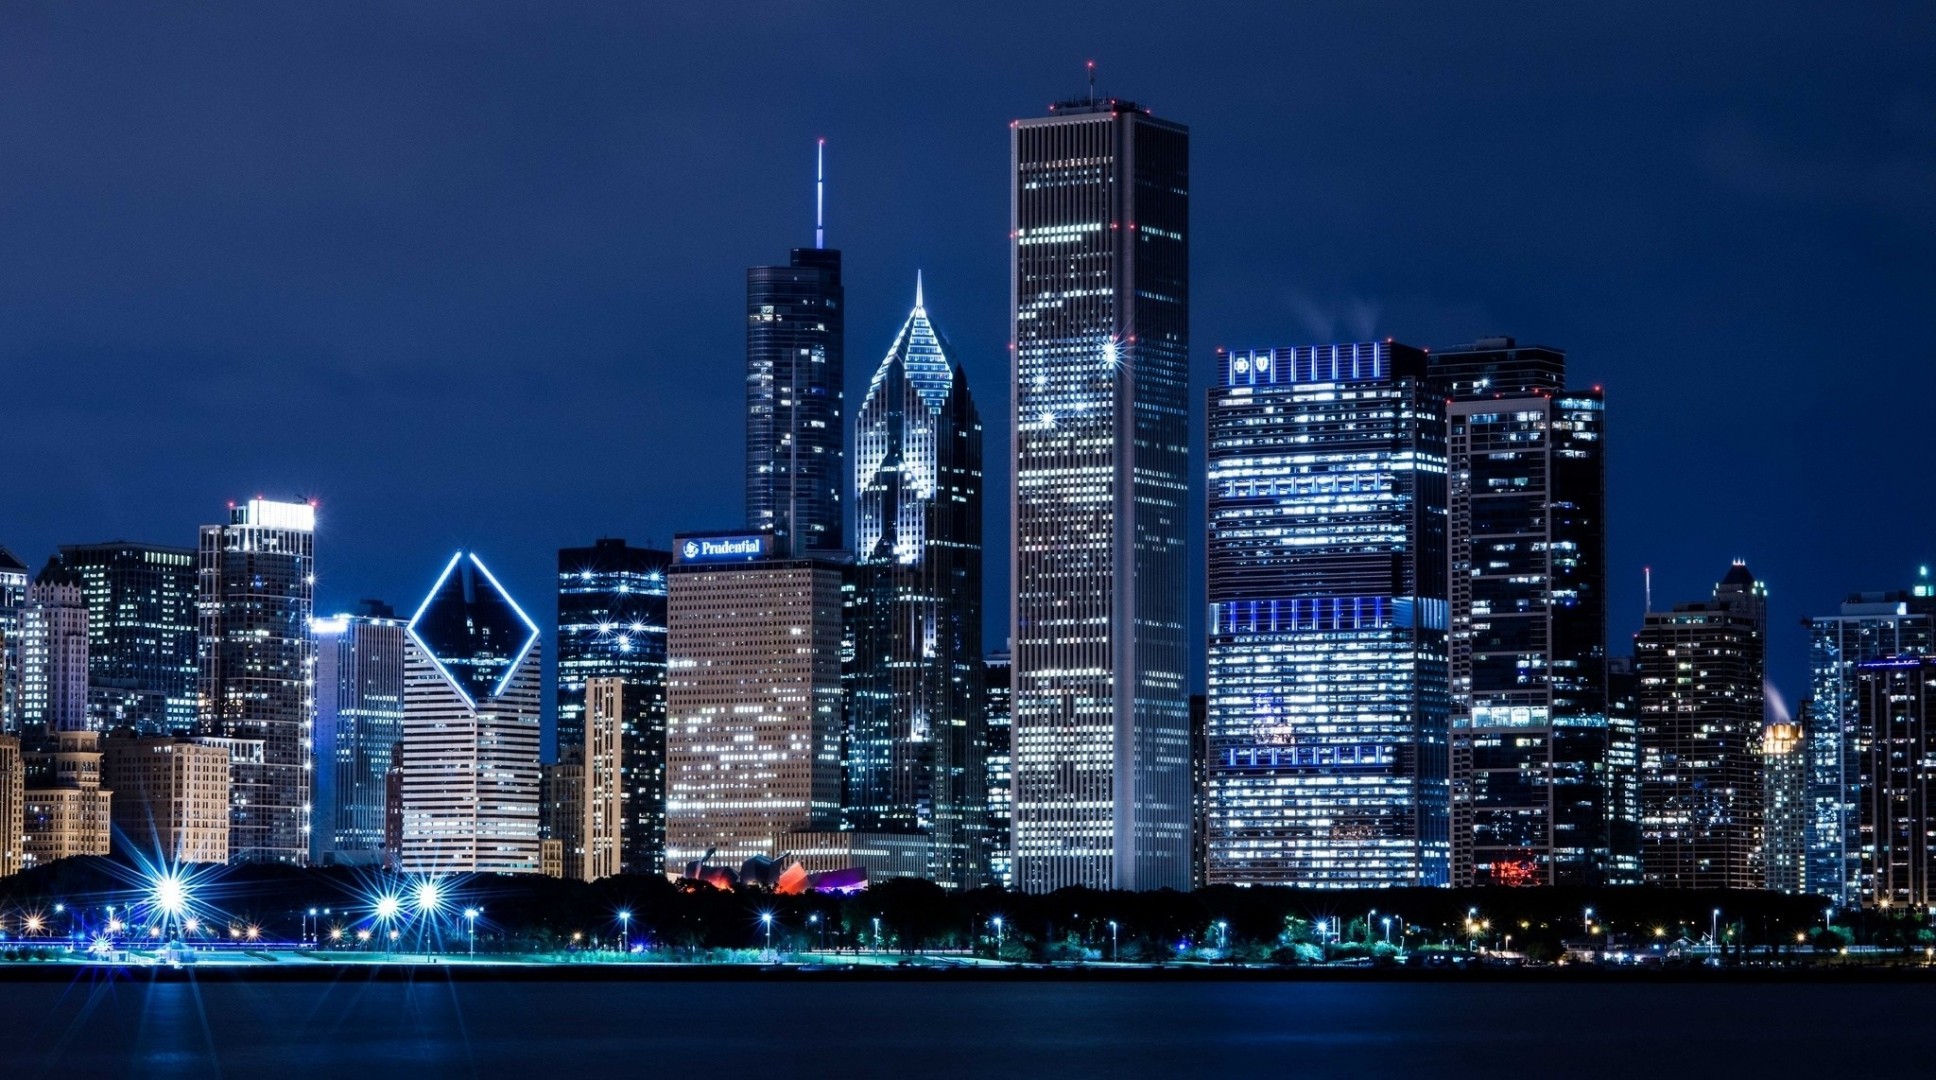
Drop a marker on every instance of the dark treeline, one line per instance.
(532, 914)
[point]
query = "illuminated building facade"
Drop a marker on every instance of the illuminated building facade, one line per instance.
(171, 798)
(1099, 240)
(359, 721)
(1868, 626)
(612, 625)
(1784, 800)
(53, 653)
(1700, 672)
(1623, 770)
(796, 431)
(14, 580)
(255, 658)
(1532, 769)
(997, 675)
(1326, 711)
(13, 805)
(915, 720)
(66, 811)
(753, 698)
(1896, 822)
(473, 676)
(605, 773)
(141, 634)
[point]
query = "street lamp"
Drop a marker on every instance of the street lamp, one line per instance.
(998, 937)
(819, 931)
(1387, 921)
(877, 933)
(1115, 945)
(470, 916)
(625, 929)
(1223, 936)
(1714, 931)
(766, 919)
(1586, 921)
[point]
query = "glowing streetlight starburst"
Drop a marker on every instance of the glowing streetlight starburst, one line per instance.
(428, 897)
(171, 895)
(388, 907)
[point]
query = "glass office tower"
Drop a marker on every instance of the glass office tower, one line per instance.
(612, 625)
(1326, 721)
(141, 634)
(359, 720)
(1868, 626)
(1532, 756)
(14, 578)
(1099, 240)
(915, 716)
(796, 433)
(255, 596)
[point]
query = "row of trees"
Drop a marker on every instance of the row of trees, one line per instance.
(530, 914)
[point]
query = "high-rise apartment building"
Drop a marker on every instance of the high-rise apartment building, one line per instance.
(1868, 626)
(1326, 711)
(796, 433)
(1784, 800)
(605, 773)
(1099, 286)
(171, 798)
(472, 725)
(13, 806)
(753, 698)
(915, 713)
(359, 720)
(141, 634)
(612, 625)
(1623, 770)
(997, 678)
(14, 580)
(66, 811)
(255, 656)
(53, 653)
(1897, 821)
(1531, 765)
(1700, 671)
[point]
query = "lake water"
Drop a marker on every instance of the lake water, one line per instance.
(356, 1028)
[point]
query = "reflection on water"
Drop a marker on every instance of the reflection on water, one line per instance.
(360, 1029)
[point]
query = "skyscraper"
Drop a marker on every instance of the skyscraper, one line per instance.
(1869, 626)
(604, 799)
(53, 653)
(796, 432)
(1897, 822)
(1326, 723)
(1700, 671)
(14, 580)
(171, 798)
(753, 698)
(472, 724)
(1531, 770)
(1784, 800)
(13, 806)
(256, 594)
(141, 634)
(67, 811)
(1099, 240)
(359, 720)
(612, 624)
(915, 713)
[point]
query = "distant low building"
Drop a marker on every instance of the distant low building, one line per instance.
(66, 810)
(171, 798)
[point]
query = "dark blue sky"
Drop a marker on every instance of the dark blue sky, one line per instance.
(472, 274)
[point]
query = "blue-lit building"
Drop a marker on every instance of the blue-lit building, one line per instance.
(612, 624)
(1868, 626)
(1535, 795)
(359, 721)
(1099, 237)
(997, 675)
(141, 634)
(915, 716)
(1326, 722)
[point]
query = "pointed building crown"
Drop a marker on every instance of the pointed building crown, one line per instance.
(921, 353)
(472, 629)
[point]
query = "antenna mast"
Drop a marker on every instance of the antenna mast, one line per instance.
(820, 194)
(1647, 577)
(1092, 82)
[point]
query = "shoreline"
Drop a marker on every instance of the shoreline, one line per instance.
(463, 970)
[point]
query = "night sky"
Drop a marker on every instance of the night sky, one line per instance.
(473, 274)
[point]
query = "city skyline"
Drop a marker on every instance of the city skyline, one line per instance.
(598, 334)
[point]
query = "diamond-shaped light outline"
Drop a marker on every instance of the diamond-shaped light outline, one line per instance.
(529, 641)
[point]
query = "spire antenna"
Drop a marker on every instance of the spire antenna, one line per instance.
(918, 303)
(820, 194)
(1092, 82)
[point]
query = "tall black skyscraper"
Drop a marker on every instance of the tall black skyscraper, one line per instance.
(1100, 287)
(796, 431)
(1531, 744)
(612, 624)
(915, 710)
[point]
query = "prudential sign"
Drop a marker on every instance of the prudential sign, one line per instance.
(699, 549)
